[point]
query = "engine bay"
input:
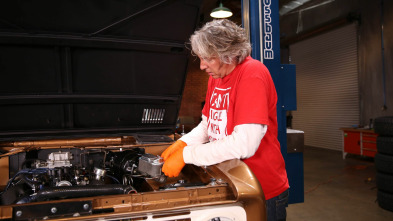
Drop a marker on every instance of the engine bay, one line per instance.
(108, 178)
(51, 174)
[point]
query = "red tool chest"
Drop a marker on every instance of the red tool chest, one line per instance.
(359, 141)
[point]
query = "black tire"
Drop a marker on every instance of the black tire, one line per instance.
(384, 163)
(385, 145)
(385, 182)
(385, 200)
(384, 126)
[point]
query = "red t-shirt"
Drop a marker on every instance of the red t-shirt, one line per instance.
(248, 95)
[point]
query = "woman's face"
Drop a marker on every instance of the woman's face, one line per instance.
(215, 68)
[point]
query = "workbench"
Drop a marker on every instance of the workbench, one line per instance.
(359, 141)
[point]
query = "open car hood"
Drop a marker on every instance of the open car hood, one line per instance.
(92, 68)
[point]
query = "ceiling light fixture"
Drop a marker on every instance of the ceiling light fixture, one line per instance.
(221, 12)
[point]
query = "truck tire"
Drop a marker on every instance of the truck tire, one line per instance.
(385, 182)
(384, 163)
(384, 126)
(385, 145)
(385, 200)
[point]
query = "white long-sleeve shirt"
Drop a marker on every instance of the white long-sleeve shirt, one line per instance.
(241, 144)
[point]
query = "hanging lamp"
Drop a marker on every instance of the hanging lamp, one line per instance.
(221, 12)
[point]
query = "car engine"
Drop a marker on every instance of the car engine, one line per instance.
(49, 174)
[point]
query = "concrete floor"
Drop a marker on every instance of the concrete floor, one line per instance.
(337, 189)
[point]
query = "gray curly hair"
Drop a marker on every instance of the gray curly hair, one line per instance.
(223, 39)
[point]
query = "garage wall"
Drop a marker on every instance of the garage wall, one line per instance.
(327, 86)
(374, 91)
(370, 58)
(193, 96)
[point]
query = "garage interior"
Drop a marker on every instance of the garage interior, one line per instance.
(343, 56)
(342, 51)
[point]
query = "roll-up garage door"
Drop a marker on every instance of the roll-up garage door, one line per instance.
(327, 86)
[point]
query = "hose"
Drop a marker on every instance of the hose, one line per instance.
(25, 171)
(77, 191)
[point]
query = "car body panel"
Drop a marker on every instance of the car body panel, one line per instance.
(228, 183)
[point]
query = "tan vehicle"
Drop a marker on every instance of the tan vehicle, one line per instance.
(117, 179)
(90, 93)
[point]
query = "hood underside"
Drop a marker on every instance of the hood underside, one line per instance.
(92, 68)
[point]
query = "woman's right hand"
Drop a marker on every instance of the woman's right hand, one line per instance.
(172, 148)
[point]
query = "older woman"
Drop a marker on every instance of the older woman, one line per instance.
(239, 118)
